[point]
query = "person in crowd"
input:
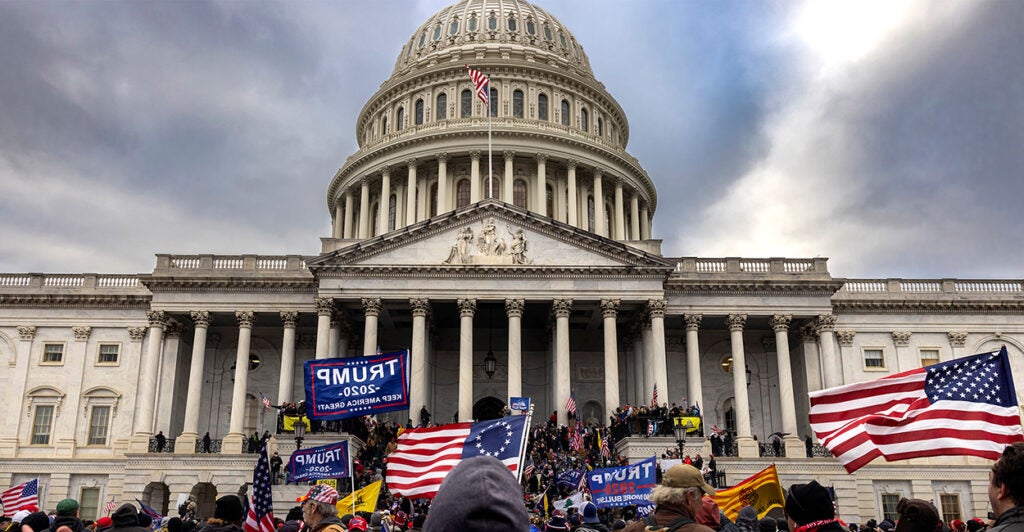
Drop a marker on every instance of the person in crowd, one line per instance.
(275, 467)
(591, 521)
(769, 524)
(15, 524)
(917, 515)
(126, 519)
(161, 441)
(293, 521)
(35, 522)
(677, 501)
(67, 516)
(228, 515)
(479, 494)
(104, 524)
(1006, 489)
(320, 511)
(424, 416)
(957, 525)
(746, 520)
(809, 508)
(207, 442)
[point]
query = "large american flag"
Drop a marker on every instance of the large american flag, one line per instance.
(261, 512)
(21, 497)
(480, 83)
(570, 404)
(425, 456)
(966, 406)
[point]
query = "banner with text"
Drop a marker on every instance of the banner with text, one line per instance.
(622, 486)
(519, 403)
(339, 388)
(326, 461)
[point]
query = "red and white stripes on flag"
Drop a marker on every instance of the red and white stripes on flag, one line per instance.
(654, 397)
(261, 512)
(570, 404)
(109, 507)
(576, 442)
(966, 406)
(21, 497)
(480, 83)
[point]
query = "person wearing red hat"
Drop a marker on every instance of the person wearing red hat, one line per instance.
(357, 523)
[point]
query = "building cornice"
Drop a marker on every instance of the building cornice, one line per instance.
(947, 306)
(102, 301)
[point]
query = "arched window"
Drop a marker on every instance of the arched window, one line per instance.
(419, 112)
(549, 194)
(462, 194)
(472, 22)
(542, 106)
(100, 406)
(44, 404)
(423, 39)
(590, 213)
(517, 103)
(600, 127)
(441, 112)
(565, 113)
(399, 119)
(466, 104)
(584, 119)
(547, 33)
(492, 22)
(392, 207)
(493, 103)
(531, 27)
(519, 193)
(433, 200)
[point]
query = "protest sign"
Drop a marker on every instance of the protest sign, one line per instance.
(339, 388)
(326, 461)
(622, 486)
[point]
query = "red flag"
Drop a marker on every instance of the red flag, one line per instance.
(966, 406)
(481, 83)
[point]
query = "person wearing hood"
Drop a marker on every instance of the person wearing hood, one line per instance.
(126, 519)
(228, 515)
(746, 520)
(35, 522)
(809, 508)
(320, 510)
(292, 521)
(479, 494)
(918, 515)
(67, 516)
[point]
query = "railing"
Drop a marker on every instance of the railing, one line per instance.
(231, 262)
(772, 449)
(931, 286)
(117, 281)
(66, 281)
(213, 447)
(156, 447)
(716, 479)
(15, 280)
(752, 266)
(819, 451)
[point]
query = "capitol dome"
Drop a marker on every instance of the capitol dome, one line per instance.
(557, 137)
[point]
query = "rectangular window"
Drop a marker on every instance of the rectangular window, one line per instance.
(109, 353)
(89, 503)
(42, 422)
(889, 501)
(98, 425)
(874, 359)
(929, 357)
(950, 506)
(53, 353)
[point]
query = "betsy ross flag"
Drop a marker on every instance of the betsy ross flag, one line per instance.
(576, 443)
(260, 517)
(21, 497)
(480, 84)
(967, 406)
(570, 404)
(425, 455)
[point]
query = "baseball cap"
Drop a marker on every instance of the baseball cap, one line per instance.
(685, 476)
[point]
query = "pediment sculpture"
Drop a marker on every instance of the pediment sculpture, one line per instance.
(487, 247)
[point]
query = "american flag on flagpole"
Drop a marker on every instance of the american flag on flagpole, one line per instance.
(654, 397)
(570, 404)
(966, 406)
(109, 507)
(21, 497)
(605, 452)
(529, 469)
(425, 455)
(265, 401)
(576, 443)
(480, 84)
(260, 517)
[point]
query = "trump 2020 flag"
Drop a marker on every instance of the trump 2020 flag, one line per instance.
(425, 456)
(966, 406)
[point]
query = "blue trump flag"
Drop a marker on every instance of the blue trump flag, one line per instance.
(570, 478)
(623, 486)
(339, 388)
(315, 463)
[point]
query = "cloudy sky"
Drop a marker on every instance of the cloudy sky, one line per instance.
(887, 136)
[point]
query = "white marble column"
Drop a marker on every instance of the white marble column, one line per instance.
(347, 229)
(324, 311)
(563, 385)
(507, 179)
(634, 217)
(542, 185)
(467, 309)
(609, 312)
(830, 367)
(385, 201)
(371, 310)
(638, 368)
(787, 397)
(410, 194)
(620, 213)
(146, 402)
(656, 309)
(334, 337)
(442, 183)
(599, 222)
(286, 380)
(514, 310)
(232, 443)
(645, 224)
(186, 442)
(647, 338)
(339, 219)
(364, 208)
(744, 440)
(573, 202)
(418, 382)
(474, 182)
(694, 387)
(812, 359)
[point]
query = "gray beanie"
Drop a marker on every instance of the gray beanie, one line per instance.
(479, 494)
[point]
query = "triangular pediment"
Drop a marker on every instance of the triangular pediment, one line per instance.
(490, 234)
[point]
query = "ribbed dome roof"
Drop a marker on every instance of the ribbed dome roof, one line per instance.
(470, 23)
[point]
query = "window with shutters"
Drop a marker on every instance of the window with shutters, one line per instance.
(519, 193)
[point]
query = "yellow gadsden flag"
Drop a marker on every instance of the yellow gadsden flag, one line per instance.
(364, 499)
(763, 491)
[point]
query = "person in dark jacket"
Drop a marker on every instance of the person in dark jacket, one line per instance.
(228, 515)
(126, 519)
(479, 494)
(917, 515)
(320, 510)
(67, 515)
(809, 508)
(35, 521)
(677, 501)
(591, 522)
(293, 521)
(1006, 489)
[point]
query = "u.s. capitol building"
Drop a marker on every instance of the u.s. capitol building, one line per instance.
(543, 281)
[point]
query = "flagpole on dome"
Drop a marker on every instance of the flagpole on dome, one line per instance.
(482, 85)
(522, 444)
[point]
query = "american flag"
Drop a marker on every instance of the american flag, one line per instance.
(654, 397)
(260, 517)
(425, 455)
(265, 401)
(21, 497)
(528, 470)
(576, 443)
(603, 443)
(109, 507)
(570, 404)
(966, 406)
(481, 83)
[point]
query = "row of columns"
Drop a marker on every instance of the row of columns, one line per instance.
(417, 208)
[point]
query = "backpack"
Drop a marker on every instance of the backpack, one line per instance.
(652, 524)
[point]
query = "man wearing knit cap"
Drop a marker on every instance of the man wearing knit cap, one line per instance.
(1006, 489)
(228, 515)
(67, 515)
(809, 508)
(479, 494)
(320, 510)
(917, 515)
(677, 501)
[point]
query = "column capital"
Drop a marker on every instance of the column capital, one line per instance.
(81, 332)
(541, 157)
(365, 181)
(385, 171)
(324, 305)
(245, 318)
(475, 155)
(410, 163)
(571, 164)
(201, 318)
(610, 308)
(692, 321)
(826, 323)
(808, 333)
(27, 332)
(901, 338)
(371, 306)
(656, 307)
(420, 306)
(561, 307)
(780, 322)
(736, 322)
(956, 338)
(509, 154)
(467, 307)
(845, 337)
(442, 157)
(597, 173)
(136, 334)
(514, 307)
(157, 318)
(172, 330)
(290, 318)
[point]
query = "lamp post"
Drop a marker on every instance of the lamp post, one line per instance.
(300, 432)
(680, 428)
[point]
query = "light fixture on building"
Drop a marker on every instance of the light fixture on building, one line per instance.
(680, 428)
